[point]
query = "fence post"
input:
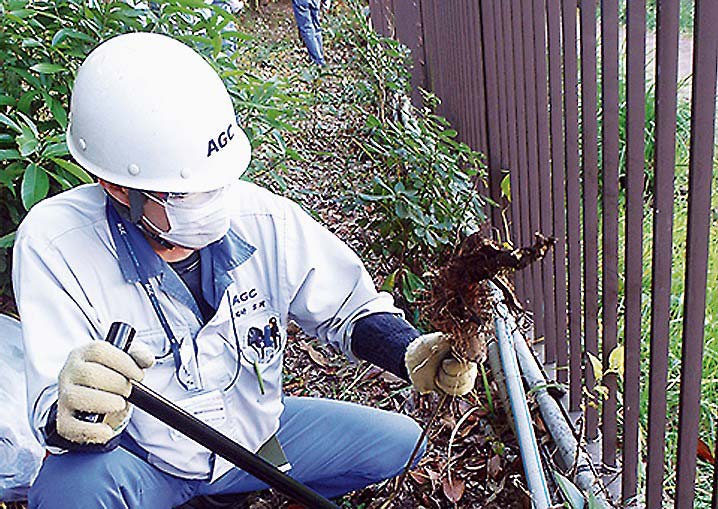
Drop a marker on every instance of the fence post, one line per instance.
(705, 54)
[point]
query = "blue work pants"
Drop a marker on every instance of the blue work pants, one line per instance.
(306, 13)
(334, 447)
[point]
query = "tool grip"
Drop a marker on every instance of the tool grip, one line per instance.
(119, 335)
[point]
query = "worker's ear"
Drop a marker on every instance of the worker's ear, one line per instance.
(119, 193)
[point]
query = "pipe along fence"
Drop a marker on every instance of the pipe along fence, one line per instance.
(568, 104)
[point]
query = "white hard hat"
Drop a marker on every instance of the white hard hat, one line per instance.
(149, 113)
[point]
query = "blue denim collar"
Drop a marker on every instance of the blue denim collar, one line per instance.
(217, 259)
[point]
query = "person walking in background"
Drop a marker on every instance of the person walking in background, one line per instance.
(306, 12)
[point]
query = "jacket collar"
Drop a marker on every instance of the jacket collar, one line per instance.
(218, 258)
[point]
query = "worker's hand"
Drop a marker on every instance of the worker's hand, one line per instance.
(96, 379)
(431, 366)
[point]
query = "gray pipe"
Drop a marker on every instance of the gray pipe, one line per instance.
(530, 457)
(498, 373)
(572, 458)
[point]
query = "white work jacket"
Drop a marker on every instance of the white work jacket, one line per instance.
(74, 276)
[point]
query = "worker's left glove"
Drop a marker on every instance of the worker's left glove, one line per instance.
(432, 367)
(96, 379)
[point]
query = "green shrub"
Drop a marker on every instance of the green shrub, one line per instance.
(41, 46)
(422, 198)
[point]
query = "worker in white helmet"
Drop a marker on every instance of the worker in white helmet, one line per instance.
(209, 270)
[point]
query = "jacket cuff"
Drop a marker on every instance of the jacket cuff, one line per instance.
(53, 438)
(382, 339)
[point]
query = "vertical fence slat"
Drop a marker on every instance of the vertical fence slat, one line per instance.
(544, 172)
(558, 188)
(478, 58)
(407, 31)
(609, 90)
(635, 150)
(501, 83)
(572, 176)
(501, 69)
(492, 114)
(428, 41)
(705, 54)
(471, 81)
(589, 142)
(439, 36)
(664, 168)
(529, 85)
(517, 225)
(520, 83)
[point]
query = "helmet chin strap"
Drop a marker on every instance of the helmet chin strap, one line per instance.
(135, 213)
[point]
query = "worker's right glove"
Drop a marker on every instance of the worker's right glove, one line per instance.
(432, 367)
(96, 379)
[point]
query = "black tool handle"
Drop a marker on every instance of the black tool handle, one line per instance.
(187, 424)
(120, 335)
(160, 408)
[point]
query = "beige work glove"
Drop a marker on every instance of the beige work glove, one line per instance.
(96, 379)
(431, 366)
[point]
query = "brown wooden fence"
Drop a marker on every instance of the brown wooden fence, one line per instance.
(529, 82)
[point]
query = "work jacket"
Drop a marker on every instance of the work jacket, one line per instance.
(75, 274)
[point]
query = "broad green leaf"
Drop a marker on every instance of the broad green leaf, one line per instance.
(29, 123)
(4, 119)
(29, 78)
(197, 4)
(47, 68)
(412, 286)
(31, 43)
(35, 185)
(570, 492)
(74, 169)
(64, 183)
(371, 197)
(7, 100)
(27, 142)
(58, 112)
(402, 212)
(65, 33)
(55, 150)
(9, 154)
(22, 13)
(7, 240)
(388, 284)
(25, 102)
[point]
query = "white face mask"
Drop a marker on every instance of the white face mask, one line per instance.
(196, 219)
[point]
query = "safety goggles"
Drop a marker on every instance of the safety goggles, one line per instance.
(184, 200)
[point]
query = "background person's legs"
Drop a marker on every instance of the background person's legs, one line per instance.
(314, 11)
(113, 480)
(303, 16)
(335, 447)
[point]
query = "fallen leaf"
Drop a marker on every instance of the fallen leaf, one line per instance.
(315, 355)
(455, 490)
(434, 476)
(494, 466)
(705, 453)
